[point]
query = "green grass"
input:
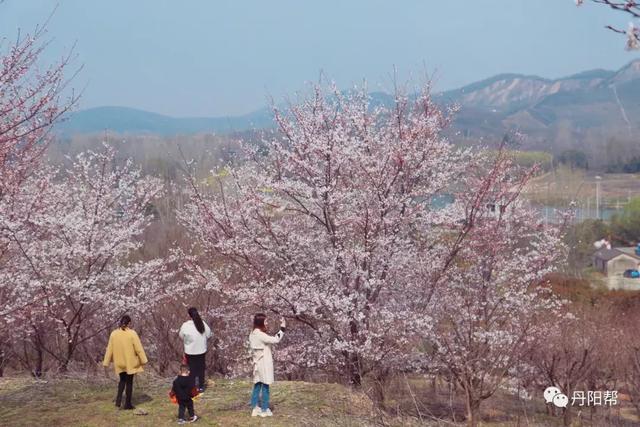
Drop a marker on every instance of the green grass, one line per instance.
(89, 402)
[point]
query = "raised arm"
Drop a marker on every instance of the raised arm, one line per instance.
(268, 339)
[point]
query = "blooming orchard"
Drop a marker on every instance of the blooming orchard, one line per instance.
(334, 224)
(335, 221)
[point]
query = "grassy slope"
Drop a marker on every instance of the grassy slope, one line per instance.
(89, 402)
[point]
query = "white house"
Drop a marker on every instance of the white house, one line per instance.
(613, 262)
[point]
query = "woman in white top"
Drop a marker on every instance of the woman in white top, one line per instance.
(195, 333)
(260, 343)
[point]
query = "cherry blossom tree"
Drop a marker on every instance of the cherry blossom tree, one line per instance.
(82, 269)
(18, 233)
(335, 223)
(322, 229)
(632, 8)
(569, 354)
(494, 307)
(31, 101)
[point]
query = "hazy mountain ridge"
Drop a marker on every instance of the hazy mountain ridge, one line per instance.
(490, 107)
(508, 91)
(595, 105)
(135, 121)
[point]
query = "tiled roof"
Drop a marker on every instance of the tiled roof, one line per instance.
(609, 254)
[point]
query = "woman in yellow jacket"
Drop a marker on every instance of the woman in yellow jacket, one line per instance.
(127, 354)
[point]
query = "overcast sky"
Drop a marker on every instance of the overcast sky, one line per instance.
(219, 57)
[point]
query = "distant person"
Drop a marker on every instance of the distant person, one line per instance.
(260, 343)
(194, 334)
(183, 388)
(127, 354)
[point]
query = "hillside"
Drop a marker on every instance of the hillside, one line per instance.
(88, 401)
(133, 121)
(78, 402)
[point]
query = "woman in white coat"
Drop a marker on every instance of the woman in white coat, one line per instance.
(260, 343)
(194, 334)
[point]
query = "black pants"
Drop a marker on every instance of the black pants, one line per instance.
(182, 404)
(197, 366)
(125, 380)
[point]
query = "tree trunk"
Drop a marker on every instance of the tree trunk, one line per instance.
(566, 418)
(380, 382)
(37, 370)
(37, 344)
(71, 348)
(549, 409)
(378, 394)
(355, 378)
(2, 360)
(473, 412)
(72, 331)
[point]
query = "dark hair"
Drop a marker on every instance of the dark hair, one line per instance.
(184, 369)
(258, 322)
(197, 320)
(124, 321)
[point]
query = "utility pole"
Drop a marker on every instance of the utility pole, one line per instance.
(548, 206)
(598, 179)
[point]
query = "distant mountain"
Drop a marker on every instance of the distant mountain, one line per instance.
(133, 121)
(509, 92)
(607, 101)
